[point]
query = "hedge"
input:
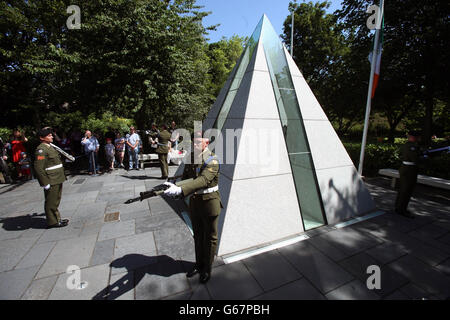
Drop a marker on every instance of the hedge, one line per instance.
(386, 155)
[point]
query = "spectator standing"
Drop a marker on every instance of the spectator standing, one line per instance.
(174, 135)
(153, 134)
(91, 147)
(109, 152)
(18, 146)
(25, 166)
(133, 143)
(3, 165)
(119, 145)
(75, 138)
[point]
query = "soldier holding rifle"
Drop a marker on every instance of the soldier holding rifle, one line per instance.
(204, 206)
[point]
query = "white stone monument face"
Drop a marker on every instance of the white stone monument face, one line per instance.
(283, 168)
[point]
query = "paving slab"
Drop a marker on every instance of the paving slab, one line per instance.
(175, 242)
(160, 280)
(271, 270)
(234, 282)
(157, 222)
(444, 267)
(103, 252)
(96, 278)
(358, 264)
(354, 290)
(432, 280)
(92, 227)
(121, 287)
(135, 244)
(133, 261)
(88, 211)
(351, 240)
(40, 289)
(397, 295)
(117, 229)
(429, 231)
(387, 252)
(15, 282)
(12, 251)
(37, 255)
(159, 205)
(321, 271)
(128, 208)
(68, 252)
(72, 230)
(298, 290)
(414, 292)
(326, 247)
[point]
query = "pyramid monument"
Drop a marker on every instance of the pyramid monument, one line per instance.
(303, 177)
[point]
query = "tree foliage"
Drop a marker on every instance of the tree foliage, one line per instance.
(141, 59)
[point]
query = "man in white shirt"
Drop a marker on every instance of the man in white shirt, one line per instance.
(133, 143)
(91, 147)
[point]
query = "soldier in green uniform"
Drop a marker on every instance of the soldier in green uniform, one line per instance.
(410, 155)
(50, 174)
(162, 150)
(204, 205)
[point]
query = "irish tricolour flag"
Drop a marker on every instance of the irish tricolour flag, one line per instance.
(377, 60)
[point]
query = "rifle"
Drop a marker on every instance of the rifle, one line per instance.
(427, 152)
(157, 190)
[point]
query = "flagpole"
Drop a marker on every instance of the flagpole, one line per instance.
(369, 91)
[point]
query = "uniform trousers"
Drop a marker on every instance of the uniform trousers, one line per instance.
(162, 157)
(52, 200)
(408, 180)
(204, 216)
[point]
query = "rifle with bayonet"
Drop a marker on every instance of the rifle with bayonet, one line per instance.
(426, 153)
(158, 190)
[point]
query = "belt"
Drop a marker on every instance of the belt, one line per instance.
(54, 167)
(409, 163)
(209, 190)
(162, 144)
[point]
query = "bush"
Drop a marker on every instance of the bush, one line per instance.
(385, 155)
(376, 156)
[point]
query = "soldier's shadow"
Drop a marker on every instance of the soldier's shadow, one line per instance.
(138, 266)
(29, 221)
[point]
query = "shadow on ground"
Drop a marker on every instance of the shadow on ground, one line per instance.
(30, 221)
(163, 265)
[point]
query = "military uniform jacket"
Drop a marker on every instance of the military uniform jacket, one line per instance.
(48, 165)
(163, 142)
(208, 177)
(410, 152)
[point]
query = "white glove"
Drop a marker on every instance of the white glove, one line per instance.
(47, 187)
(173, 191)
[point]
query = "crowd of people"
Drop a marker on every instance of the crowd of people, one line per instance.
(94, 151)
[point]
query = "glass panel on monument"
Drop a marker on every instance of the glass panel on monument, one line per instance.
(308, 193)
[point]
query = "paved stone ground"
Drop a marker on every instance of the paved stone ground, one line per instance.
(145, 255)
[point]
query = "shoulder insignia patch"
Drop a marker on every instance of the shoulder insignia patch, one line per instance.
(40, 151)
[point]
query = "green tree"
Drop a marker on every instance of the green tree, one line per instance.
(326, 56)
(414, 68)
(223, 56)
(141, 59)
